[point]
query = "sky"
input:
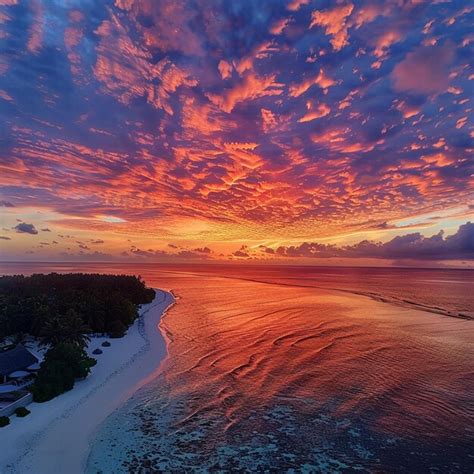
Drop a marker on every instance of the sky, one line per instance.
(267, 131)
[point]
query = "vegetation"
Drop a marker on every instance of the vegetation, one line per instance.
(21, 412)
(63, 364)
(4, 421)
(61, 311)
(52, 307)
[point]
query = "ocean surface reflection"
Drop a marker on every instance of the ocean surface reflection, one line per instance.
(271, 369)
(270, 377)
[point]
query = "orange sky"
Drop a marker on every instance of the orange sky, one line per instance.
(280, 131)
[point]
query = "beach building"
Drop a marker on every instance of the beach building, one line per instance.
(18, 367)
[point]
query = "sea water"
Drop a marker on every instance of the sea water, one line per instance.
(271, 369)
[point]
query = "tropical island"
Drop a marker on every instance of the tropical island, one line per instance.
(59, 313)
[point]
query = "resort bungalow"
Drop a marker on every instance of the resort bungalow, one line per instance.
(17, 367)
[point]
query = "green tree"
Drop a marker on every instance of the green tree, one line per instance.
(69, 328)
(75, 330)
(63, 364)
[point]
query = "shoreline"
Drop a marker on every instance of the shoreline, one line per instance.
(56, 437)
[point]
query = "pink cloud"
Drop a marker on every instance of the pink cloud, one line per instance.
(278, 26)
(425, 70)
(295, 5)
(225, 69)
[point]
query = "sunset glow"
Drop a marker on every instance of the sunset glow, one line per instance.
(213, 131)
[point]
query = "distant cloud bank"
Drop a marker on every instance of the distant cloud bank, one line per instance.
(458, 246)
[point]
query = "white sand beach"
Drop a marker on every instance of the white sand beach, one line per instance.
(56, 436)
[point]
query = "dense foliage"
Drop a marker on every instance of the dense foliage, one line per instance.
(42, 305)
(63, 364)
(61, 311)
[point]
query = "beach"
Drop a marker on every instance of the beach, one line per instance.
(56, 436)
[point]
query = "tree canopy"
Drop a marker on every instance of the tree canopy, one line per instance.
(54, 306)
(61, 311)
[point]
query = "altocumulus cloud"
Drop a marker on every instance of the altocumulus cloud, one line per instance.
(24, 228)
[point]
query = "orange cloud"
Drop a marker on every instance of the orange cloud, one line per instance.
(321, 80)
(261, 51)
(341, 140)
(314, 113)
(407, 110)
(334, 22)
(252, 87)
(278, 26)
(225, 69)
(269, 120)
(126, 70)
(382, 45)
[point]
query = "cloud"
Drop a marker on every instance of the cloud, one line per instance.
(6, 204)
(45, 230)
(36, 33)
(225, 69)
(205, 250)
(142, 253)
(278, 26)
(413, 246)
(295, 5)
(334, 22)
(322, 80)
(203, 125)
(89, 256)
(314, 113)
(24, 228)
(250, 88)
(425, 70)
(242, 252)
(198, 254)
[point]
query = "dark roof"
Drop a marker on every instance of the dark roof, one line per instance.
(18, 358)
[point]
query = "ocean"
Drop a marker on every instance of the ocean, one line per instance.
(290, 369)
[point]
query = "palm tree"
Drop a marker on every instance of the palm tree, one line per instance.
(52, 332)
(75, 329)
(68, 328)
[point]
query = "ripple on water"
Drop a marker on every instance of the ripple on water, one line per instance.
(270, 377)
